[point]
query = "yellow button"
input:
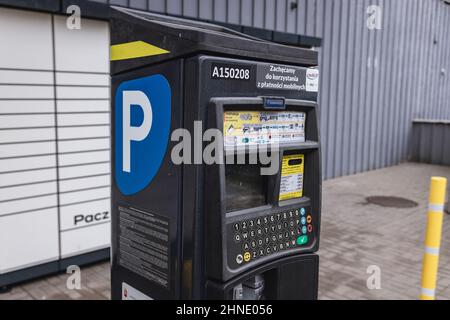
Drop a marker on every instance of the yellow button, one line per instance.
(247, 256)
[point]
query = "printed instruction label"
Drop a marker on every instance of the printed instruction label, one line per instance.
(263, 127)
(144, 244)
(131, 293)
(292, 168)
(280, 77)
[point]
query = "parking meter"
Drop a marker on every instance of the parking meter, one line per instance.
(216, 163)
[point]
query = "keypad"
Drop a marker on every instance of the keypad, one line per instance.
(269, 234)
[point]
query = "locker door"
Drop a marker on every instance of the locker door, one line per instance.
(82, 97)
(28, 186)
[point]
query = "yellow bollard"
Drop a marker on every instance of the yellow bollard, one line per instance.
(433, 237)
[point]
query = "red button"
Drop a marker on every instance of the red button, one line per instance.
(309, 228)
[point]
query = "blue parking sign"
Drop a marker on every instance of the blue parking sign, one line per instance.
(142, 127)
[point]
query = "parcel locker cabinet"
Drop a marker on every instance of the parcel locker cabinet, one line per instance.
(177, 228)
(28, 200)
(54, 144)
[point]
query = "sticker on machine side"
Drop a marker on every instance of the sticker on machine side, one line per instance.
(280, 77)
(131, 293)
(312, 80)
(291, 185)
(144, 246)
(226, 71)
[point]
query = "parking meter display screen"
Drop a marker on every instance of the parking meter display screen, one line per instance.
(245, 187)
(250, 128)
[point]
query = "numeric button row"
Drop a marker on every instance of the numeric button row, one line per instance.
(257, 222)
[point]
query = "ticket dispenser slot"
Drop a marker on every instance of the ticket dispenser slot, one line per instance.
(262, 226)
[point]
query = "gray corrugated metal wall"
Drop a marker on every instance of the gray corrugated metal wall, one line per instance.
(374, 82)
(430, 142)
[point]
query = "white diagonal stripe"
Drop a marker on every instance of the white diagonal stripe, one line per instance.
(432, 250)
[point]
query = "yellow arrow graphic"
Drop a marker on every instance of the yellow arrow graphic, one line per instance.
(134, 49)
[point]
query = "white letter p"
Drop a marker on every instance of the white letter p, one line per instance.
(131, 133)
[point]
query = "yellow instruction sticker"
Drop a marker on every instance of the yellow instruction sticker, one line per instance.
(291, 185)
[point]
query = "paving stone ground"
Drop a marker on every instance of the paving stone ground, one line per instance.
(355, 235)
(95, 285)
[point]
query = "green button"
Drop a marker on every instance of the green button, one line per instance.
(301, 240)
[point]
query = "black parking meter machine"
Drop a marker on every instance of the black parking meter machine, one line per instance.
(216, 163)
